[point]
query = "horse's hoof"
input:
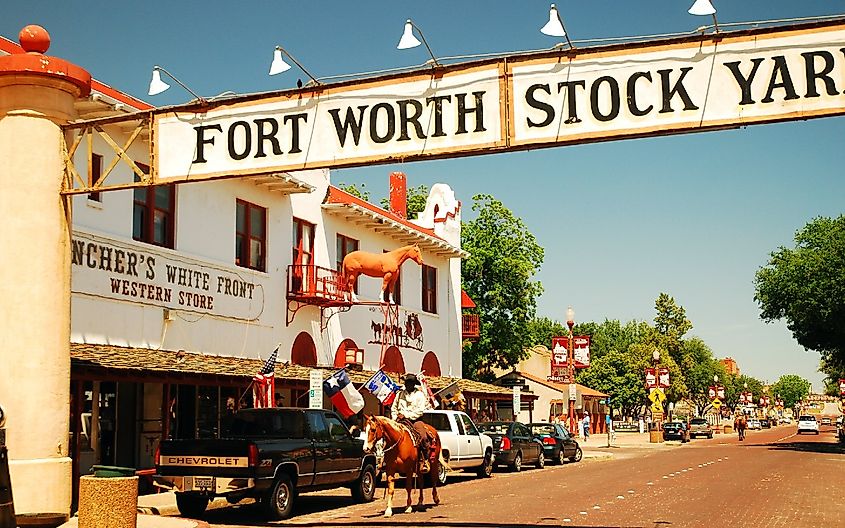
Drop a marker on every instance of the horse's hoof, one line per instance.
(388, 513)
(409, 509)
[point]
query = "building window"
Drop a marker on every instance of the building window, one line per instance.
(95, 176)
(154, 213)
(345, 246)
(303, 256)
(429, 289)
(250, 236)
(397, 288)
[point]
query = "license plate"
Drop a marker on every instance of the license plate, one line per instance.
(203, 483)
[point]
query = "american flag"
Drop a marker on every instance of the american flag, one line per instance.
(264, 383)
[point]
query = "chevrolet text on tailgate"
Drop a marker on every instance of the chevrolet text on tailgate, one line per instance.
(270, 455)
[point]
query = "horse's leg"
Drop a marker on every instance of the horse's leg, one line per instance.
(422, 489)
(435, 473)
(409, 487)
(387, 286)
(391, 480)
(351, 279)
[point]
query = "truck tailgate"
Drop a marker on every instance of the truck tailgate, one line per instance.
(223, 458)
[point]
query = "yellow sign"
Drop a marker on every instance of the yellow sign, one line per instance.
(717, 403)
(657, 395)
(656, 407)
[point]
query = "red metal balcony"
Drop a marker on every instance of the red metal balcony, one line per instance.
(317, 286)
(470, 326)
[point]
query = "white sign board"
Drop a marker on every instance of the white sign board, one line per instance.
(573, 391)
(315, 389)
(420, 115)
(559, 97)
(517, 401)
(145, 274)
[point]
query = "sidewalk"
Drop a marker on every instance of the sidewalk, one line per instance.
(153, 521)
(165, 504)
(622, 440)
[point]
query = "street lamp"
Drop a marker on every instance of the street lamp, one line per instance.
(656, 419)
(570, 364)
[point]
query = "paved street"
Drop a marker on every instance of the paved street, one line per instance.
(774, 478)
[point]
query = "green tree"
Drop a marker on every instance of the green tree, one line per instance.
(498, 276)
(791, 388)
(671, 324)
(417, 197)
(357, 190)
(805, 286)
(613, 335)
(740, 384)
(543, 329)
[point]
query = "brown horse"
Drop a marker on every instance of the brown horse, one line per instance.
(401, 457)
(385, 265)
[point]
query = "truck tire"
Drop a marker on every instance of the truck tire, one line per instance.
(191, 505)
(364, 489)
(278, 503)
(485, 470)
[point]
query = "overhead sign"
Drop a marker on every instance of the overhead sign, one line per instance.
(558, 97)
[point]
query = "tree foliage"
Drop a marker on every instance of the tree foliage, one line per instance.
(498, 276)
(357, 190)
(791, 388)
(671, 324)
(543, 329)
(805, 286)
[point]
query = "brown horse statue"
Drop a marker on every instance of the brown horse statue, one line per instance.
(401, 457)
(385, 265)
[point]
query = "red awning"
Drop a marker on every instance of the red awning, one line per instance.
(466, 302)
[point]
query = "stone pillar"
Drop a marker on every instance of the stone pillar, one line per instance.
(37, 94)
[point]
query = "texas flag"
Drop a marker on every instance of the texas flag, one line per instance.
(344, 396)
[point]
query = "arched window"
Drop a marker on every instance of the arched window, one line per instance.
(392, 361)
(348, 352)
(303, 351)
(430, 365)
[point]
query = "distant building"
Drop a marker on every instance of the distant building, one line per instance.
(730, 365)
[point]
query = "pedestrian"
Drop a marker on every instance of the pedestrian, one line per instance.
(279, 400)
(586, 425)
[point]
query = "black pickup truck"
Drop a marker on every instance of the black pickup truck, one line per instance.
(270, 455)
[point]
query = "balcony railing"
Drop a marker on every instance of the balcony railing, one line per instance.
(315, 285)
(470, 326)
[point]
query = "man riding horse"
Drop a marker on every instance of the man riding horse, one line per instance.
(407, 408)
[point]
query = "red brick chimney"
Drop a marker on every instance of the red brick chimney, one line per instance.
(398, 194)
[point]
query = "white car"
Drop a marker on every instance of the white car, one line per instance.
(808, 424)
(754, 424)
(464, 446)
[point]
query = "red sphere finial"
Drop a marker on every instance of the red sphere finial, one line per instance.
(34, 38)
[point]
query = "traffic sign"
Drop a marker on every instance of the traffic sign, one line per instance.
(657, 395)
(656, 407)
(717, 404)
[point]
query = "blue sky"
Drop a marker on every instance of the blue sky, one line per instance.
(693, 216)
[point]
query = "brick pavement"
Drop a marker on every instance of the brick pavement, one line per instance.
(771, 479)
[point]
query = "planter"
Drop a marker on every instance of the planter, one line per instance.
(108, 502)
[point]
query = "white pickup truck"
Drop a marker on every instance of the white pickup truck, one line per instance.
(464, 446)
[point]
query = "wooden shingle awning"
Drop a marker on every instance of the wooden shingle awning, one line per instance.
(106, 362)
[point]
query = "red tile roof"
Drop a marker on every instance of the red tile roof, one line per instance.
(562, 387)
(466, 300)
(339, 196)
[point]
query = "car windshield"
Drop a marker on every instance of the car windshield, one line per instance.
(543, 430)
(807, 419)
(699, 421)
(495, 427)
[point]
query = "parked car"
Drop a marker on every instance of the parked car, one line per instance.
(558, 444)
(464, 446)
(807, 424)
(700, 427)
(826, 420)
(786, 420)
(271, 455)
(676, 431)
(754, 423)
(514, 445)
(765, 423)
